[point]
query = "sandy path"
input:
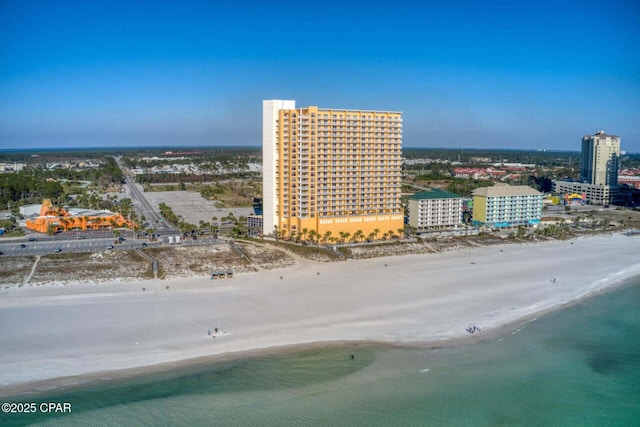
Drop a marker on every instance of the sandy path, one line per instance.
(56, 331)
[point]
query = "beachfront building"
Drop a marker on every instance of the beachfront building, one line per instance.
(599, 159)
(598, 171)
(434, 209)
(504, 205)
(335, 172)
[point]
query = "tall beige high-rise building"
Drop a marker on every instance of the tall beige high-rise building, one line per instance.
(331, 173)
(599, 161)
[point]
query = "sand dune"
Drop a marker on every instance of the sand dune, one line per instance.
(60, 331)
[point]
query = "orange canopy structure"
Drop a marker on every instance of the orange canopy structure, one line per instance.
(53, 218)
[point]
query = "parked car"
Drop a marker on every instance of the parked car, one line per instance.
(33, 239)
(144, 244)
(23, 246)
(58, 249)
(110, 247)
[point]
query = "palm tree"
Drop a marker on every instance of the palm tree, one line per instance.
(327, 236)
(303, 234)
(358, 235)
(136, 229)
(371, 236)
(206, 227)
(313, 235)
(375, 233)
(400, 231)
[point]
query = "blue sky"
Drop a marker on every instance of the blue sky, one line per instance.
(472, 74)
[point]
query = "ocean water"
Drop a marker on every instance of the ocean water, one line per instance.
(576, 367)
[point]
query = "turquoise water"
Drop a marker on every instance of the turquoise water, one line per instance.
(575, 367)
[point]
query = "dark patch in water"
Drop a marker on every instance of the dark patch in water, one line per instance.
(603, 363)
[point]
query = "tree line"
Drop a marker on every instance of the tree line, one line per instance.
(33, 184)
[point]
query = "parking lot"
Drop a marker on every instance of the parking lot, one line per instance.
(192, 207)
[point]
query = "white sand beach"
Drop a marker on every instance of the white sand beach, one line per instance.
(58, 331)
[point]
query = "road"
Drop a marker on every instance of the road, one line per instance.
(143, 206)
(66, 243)
(153, 217)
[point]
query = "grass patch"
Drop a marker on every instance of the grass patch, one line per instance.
(308, 252)
(74, 256)
(136, 256)
(346, 251)
(152, 251)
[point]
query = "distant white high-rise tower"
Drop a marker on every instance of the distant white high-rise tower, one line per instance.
(270, 113)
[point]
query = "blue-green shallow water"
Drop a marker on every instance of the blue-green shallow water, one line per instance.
(575, 367)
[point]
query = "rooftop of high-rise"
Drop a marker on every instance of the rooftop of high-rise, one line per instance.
(601, 134)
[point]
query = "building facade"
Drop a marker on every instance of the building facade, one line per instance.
(332, 171)
(435, 209)
(52, 218)
(594, 194)
(598, 171)
(599, 159)
(504, 205)
(254, 225)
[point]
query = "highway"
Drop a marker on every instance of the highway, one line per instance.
(143, 206)
(65, 244)
(153, 217)
(47, 246)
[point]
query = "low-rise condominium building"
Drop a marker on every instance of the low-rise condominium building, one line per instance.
(435, 209)
(504, 205)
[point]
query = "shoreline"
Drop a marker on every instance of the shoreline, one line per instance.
(359, 337)
(179, 367)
